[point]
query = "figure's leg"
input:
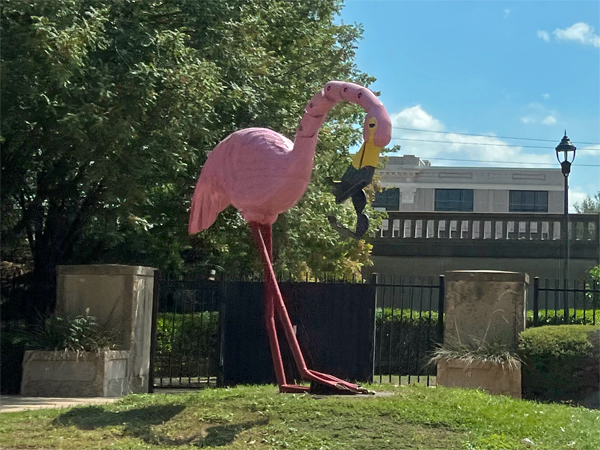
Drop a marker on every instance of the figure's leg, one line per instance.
(359, 200)
(351, 186)
(353, 180)
(264, 240)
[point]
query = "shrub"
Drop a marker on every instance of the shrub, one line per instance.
(561, 363)
(72, 333)
(557, 317)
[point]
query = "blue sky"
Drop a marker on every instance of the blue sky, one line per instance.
(527, 69)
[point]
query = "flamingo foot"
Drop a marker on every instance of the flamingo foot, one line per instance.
(322, 383)
(293, 389)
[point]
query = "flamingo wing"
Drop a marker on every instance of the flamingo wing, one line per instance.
(250, 170)
(208, 201)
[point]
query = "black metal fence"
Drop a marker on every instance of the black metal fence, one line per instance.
(186, 342)
(207, 331)
(565, 302)
(409, 323)
(24, 301)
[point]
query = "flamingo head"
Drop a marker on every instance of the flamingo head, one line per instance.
(377, 131)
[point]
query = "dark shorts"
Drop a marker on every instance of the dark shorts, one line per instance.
(353, 181)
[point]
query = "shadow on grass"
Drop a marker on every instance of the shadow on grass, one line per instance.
(138, 423)
(221, 435)
(93, 417)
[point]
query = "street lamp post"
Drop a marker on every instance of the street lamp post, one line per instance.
(566, 159)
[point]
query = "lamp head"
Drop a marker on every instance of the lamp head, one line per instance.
(567, 149)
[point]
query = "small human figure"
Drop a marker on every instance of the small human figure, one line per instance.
(358, 176)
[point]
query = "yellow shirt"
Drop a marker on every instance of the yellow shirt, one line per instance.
(368, 155)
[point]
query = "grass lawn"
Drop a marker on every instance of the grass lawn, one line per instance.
(257, 417)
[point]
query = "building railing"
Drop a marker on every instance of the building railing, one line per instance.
(490, 226)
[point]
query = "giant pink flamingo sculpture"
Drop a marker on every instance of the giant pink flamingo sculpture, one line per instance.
(263, 174)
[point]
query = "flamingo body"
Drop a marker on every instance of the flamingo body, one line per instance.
(254, 170)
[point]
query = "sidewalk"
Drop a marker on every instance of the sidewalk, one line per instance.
(14, 403)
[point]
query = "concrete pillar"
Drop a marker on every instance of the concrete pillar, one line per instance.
(121, 298)
(484, 305)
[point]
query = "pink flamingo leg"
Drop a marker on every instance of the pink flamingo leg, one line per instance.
(270, 311)
(274, 300)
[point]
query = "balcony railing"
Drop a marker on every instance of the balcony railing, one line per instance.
(459, 225)
(488, 230)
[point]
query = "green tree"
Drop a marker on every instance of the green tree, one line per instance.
(589, 204)
(93, 120)
(110, 107)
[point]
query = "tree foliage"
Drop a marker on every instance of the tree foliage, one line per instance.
(589, 204)
(110, 108)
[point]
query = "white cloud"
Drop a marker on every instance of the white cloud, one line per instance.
(585, 176)
(588, 151)
(538, 113)
(576, 195)
(543, 35)
(579, 32)
(416, 117)
(506, 13)
(456, 146)
(545, 96)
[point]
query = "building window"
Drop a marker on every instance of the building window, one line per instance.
(528, 201)
(388, 199)
(454, 199)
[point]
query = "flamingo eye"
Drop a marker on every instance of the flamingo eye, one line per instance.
(359, 94)
(371, 125)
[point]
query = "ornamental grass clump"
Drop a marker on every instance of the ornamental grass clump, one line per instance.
(81, 333)
(477, 351)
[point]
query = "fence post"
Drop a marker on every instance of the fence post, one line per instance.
(536, 304)
(222, 286)
(566, 298)
(374, 280)
(442, 295)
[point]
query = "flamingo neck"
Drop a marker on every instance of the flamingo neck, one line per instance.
(319, 105)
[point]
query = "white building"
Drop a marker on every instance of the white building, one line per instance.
(477, 218)
(413, 185)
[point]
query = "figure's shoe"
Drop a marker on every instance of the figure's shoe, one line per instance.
(343, 231)
(362, 225)
(338, 189)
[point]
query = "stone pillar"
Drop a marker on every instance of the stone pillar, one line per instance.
(120, 297)
(483, 305)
